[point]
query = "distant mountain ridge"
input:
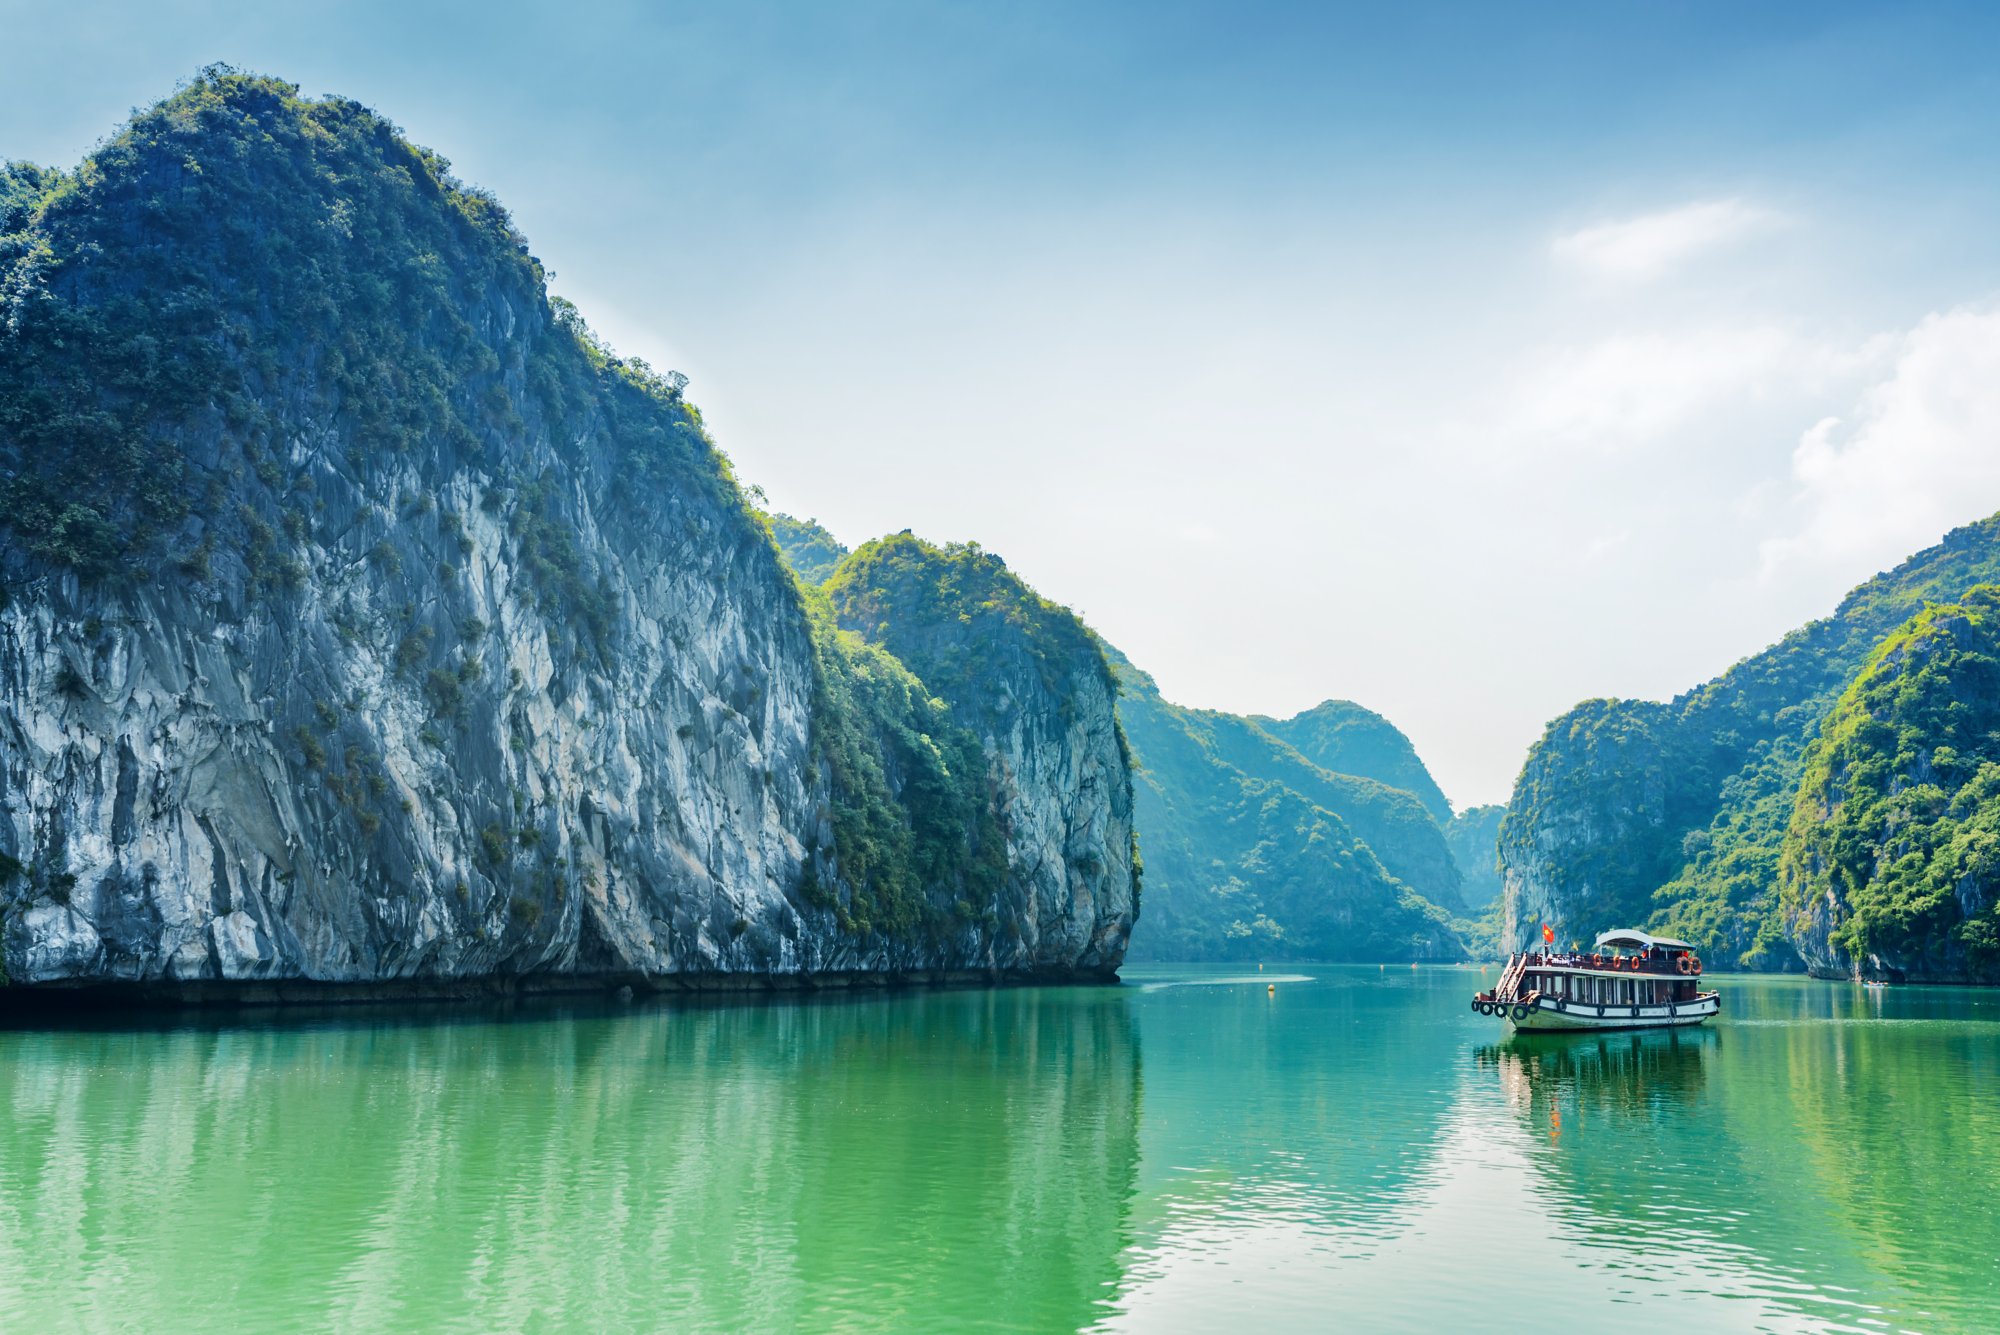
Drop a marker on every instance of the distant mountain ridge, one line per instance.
(1253, 848)
(1254, 853)
(812, 551)
(1345, 738)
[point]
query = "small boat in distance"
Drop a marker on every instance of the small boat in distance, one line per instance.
(1629, 980)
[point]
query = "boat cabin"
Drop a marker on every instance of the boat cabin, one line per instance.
(1623, 968)
(1626, 979)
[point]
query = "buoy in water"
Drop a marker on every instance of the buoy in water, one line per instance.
(1270, 987)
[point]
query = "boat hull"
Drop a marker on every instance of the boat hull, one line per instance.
(1571, 1016)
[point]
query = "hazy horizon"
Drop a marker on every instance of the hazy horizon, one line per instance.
(1460, 363)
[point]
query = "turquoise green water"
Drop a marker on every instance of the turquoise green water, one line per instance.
(1184, 1152)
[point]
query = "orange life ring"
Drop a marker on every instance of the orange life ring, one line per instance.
(1682, 964)
(1697, 966)
(1597, 961)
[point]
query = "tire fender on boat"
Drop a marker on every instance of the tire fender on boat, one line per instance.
(1520, 1012)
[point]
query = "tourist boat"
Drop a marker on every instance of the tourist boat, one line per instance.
(1629, 980)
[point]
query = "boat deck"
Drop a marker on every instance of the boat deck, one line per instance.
(1544, 990)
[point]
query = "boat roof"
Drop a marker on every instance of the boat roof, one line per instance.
(1627, 938)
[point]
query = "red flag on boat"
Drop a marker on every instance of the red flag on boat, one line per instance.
(1548, 935)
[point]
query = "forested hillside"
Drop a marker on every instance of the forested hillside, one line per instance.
(1890, 864)
(1344, 738)
(1674, 815)
(811, 550)
(1254, 853)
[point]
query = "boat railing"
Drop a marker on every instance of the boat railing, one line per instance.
(1645, 966)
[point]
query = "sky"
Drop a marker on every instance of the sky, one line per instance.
(1464, 360)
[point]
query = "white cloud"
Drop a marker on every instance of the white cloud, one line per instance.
(1919, 454)
(1638, 386)
(1643, 248)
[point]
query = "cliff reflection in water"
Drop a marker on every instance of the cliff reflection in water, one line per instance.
(1818, 1141)
(860, 1163)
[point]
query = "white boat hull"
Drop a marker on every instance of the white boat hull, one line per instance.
(1554, 1015)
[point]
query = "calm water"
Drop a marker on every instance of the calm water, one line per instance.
(1185, 1152)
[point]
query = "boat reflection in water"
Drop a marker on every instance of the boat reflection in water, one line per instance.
(1631, 1157)
(1634, 1074)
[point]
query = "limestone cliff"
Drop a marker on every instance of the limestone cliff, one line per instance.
(1631, 813)
(1026, 679)
(1474, 838)
(1891, 862)
(365, 619)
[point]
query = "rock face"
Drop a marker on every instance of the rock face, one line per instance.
(366, 620)
(1474, 839)
(1673, 816)
(1026, 679)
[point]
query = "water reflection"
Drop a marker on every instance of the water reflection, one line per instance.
(1643, 1073)
(1808, 1152)
(962, 1160)
(1291, 1155)
(1374, 1156)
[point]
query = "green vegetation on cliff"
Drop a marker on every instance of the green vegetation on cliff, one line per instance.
(917, 834)
(238, 260)
(1020, 674)
(808, 548)
(244, 288)
(1674, 814)
(1392, 822)
(1892, 857)
(1344, 738)
(1248, 857)
(959, 618)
